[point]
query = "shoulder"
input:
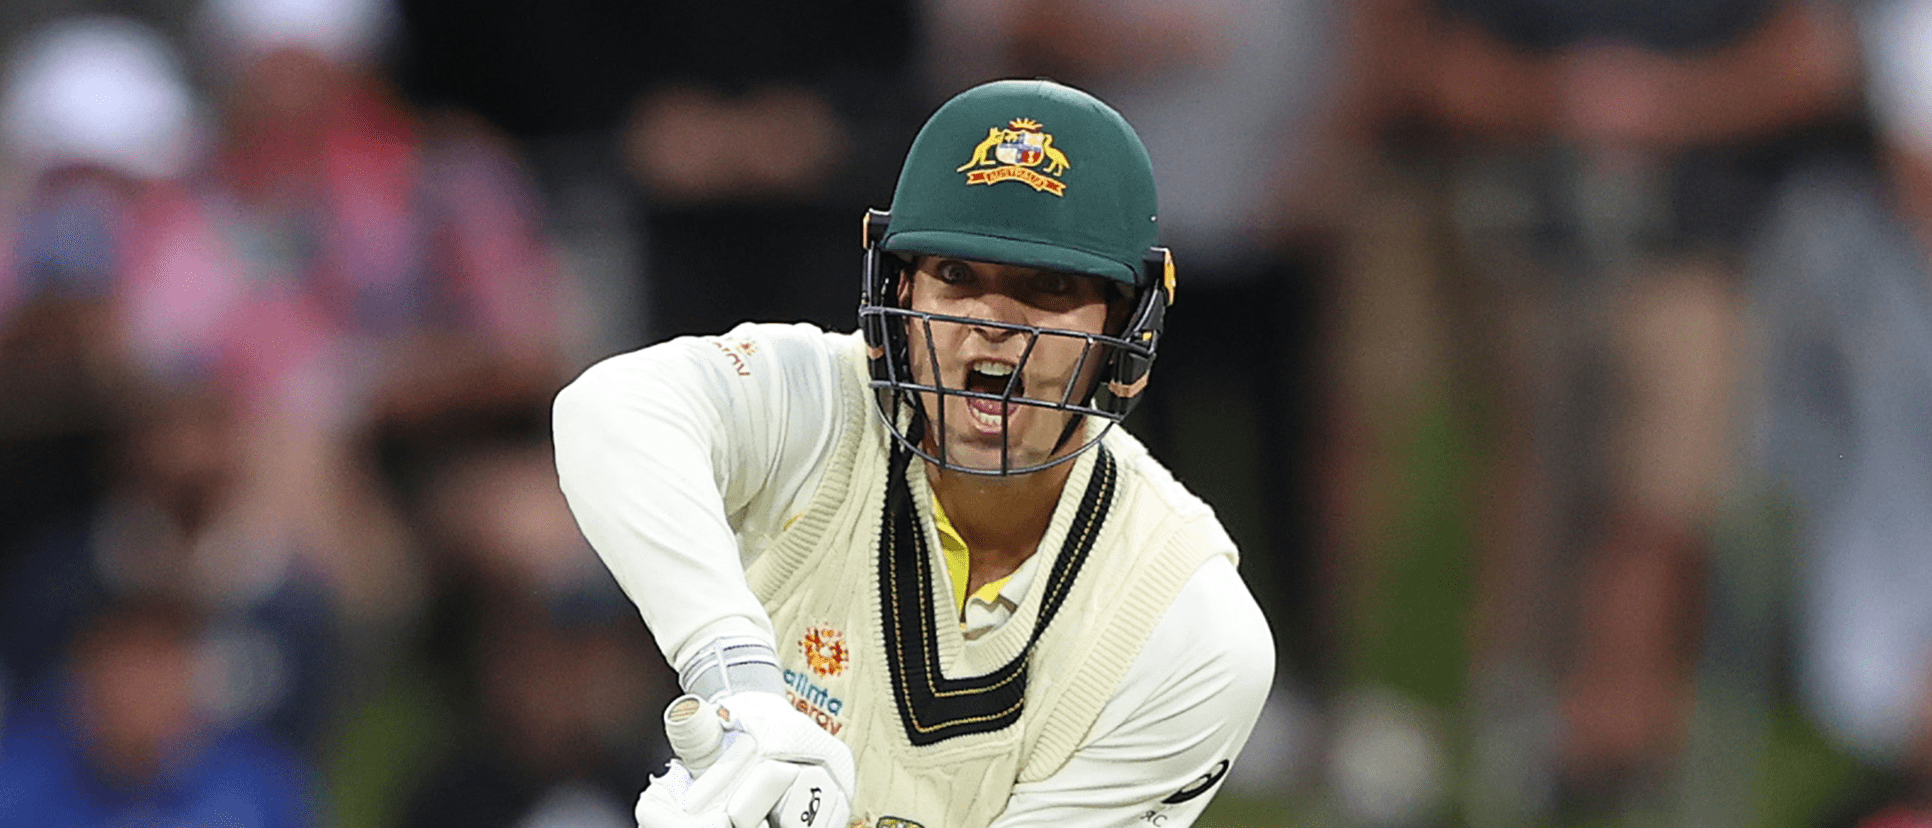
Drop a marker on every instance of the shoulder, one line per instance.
(1178, 717)
(1156, 505)
(260, 775)
(256, 757)
(792, 346)
(39, 742)
(749, 352)
(1138, 465)
(1213, 635)
(1203, 674)
(738, 351)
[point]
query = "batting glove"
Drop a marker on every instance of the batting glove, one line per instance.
(748, 760)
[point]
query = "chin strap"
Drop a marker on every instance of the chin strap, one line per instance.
(730, 665)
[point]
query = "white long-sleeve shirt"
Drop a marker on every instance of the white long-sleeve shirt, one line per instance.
(684, 461)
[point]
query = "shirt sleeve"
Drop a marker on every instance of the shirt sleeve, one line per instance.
(1166, 739)
(669, 456)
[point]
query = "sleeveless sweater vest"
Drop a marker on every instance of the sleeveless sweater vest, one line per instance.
(943, 728)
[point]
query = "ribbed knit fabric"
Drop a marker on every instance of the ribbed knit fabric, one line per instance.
(820, 583)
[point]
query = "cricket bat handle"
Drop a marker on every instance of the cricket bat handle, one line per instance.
(695, 732)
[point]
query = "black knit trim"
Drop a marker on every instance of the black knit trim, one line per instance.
(932, 706)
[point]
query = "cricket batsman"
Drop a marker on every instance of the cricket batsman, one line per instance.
(912, 576)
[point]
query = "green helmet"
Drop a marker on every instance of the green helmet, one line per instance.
(1032, 173)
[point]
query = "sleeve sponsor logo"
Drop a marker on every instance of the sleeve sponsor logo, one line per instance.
(1201, 784)
(737, 350)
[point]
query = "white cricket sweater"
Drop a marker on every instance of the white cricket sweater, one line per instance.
(685, 462)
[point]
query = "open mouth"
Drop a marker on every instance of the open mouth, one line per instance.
(988, 376)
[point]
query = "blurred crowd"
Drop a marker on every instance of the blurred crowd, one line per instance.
(1562, 369)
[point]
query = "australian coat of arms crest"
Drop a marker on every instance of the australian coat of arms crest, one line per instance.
(1019, 151)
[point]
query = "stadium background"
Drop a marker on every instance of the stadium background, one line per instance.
(1499, 346)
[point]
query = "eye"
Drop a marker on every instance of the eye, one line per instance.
(1054, 283)
(953, 273)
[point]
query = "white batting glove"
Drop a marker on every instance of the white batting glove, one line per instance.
(757, 762)
(667, 803)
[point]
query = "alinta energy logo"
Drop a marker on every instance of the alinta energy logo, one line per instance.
(1017, 152)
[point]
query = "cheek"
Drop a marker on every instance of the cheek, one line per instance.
(1066, 350)
(926, 340)
(1093, 316)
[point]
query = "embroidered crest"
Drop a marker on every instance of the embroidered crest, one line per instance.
(1014, 152)
(824, 649)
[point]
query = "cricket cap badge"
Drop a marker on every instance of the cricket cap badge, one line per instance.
(1013, 153)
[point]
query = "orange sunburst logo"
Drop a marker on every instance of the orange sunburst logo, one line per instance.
(824, 649)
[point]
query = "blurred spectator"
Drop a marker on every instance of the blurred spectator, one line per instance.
(1843, 296)
(249, 326)
(547, 743)
(755, 146)
(179, 520)
(557, 679)
(97, 123)
(747, 147)
(350, 279)
(1559, 236)
(383, 300)
(121, 739)
(102, 92)
(501, 527)
(558, 79)
(403, 262)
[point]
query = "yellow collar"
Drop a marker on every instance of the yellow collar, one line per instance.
(959, 562)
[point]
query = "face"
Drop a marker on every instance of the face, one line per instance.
(136, 696)
(996, 360)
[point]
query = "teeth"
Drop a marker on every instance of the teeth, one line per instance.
(991, 368)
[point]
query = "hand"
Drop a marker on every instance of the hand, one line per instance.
(757, 761)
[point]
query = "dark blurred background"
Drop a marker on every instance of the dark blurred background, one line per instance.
(1563, 370)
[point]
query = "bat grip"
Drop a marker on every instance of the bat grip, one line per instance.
(692, 726)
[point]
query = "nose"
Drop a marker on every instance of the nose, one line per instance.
(996, 306)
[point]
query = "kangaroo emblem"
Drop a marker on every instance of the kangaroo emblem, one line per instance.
(1013, 151)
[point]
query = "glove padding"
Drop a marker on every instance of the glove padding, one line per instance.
(776, 767)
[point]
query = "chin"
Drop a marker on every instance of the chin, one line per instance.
(976, 455)
(977, 451)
